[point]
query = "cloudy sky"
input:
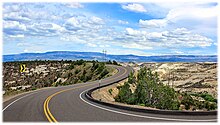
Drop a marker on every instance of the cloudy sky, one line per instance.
(119, 28)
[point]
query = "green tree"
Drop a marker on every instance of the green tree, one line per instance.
(100, 68)
(131, 78)
(114, 62)
(124, 94)
(149, 91)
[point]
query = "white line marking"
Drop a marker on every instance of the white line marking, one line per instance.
(135, 115)
(16, 101)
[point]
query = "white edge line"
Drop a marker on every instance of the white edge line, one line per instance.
(135, 115)
(16, 101)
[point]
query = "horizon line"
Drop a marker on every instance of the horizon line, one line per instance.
(114, 54)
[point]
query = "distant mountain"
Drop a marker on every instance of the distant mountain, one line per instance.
(69, 55)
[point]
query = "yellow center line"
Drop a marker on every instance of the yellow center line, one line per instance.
(47, 112)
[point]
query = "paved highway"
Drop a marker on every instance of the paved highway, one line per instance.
(68, 104)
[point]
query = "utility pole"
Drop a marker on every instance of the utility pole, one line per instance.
(104, 55)
(172, 73)
(103, 51)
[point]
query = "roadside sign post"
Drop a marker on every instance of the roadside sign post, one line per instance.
(22, 68)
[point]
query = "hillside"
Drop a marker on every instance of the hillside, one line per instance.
(69, 55)
(40, 74)
(197, 80)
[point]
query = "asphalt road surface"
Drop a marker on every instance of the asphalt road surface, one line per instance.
(68, 104)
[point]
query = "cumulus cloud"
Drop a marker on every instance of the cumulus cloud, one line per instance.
(72, 24)
(15, 17)
(154, 23)
(96, 20)
(133, 32)
(141, 39)
(14, 29)
(180, 37)
(134, 7)
(14, 25)
(94, 32)
(83, 23)
(44, 29)
(184, 14)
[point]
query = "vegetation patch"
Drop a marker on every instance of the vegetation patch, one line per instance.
(48, 73)
(151, 92)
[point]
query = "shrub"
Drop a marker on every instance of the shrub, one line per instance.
(104, 72)
(34, 88)
(208, 97)
(71, 66)
(94, 66)
(110, 91)
(187, 101)
(79, 62)
(77, 71)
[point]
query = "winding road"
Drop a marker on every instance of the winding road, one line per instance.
(69, 104)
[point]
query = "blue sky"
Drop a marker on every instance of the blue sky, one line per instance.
(119, 28)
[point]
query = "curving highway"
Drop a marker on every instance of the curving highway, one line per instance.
(69, 104)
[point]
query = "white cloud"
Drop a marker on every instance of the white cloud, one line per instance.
(72, 24)
(137, 46)
(104, 46)
(134, 7)
(46, 26)
(122, 22)
(178, 52)
(11, 8)
(154, 23)
(14, 29)
(180, 37)
(97, 32)
(91, 45)
(74, 5)
(17, 36)
(84, 23)
(13, 16)
(96, 20)
(133, 32)
(44, 29)
(190, 15)
(13, 25)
